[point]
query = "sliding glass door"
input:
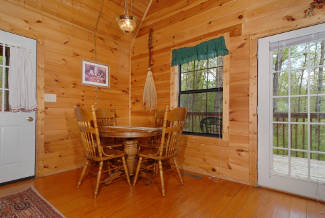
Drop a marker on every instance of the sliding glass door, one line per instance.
(291, 111)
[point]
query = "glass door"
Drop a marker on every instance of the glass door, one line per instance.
(291, 112)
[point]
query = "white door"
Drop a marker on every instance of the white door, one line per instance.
(17, 130)
(291, 112)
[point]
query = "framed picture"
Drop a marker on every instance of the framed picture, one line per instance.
(95, 74)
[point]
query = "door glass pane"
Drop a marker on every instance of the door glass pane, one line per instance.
(299, 138)
(299, 56)
(7, 56)
(280, 109)
(317, 109)
(6, 100)
(317, 167)
(280, 60)
(299, 165)
(298, 82)
(317, 138)
(299, 109)
(280, 83)
(1, 76)
(281, 163)
(280, 137)
(6, 78)
(317, 81)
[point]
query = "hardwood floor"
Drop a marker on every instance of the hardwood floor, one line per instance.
(199, 197)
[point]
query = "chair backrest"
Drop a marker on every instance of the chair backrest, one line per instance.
(90, 134)
(159, 118)
(78, 112)
(211, 125)
(106, 117)
(172, 129)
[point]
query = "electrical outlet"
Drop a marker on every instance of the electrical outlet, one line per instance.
(50, 97)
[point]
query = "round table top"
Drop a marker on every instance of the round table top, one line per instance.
(128, 131)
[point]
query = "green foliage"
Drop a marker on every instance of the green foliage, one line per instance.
(295, 70)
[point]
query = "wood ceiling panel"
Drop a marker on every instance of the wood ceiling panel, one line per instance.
(84, 13)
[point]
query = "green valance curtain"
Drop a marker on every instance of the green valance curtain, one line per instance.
(205, 50)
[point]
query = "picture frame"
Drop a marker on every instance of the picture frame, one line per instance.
(95, 74)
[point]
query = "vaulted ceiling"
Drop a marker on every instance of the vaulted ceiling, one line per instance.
(84, 13)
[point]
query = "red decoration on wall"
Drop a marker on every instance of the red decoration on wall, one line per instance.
(318, 4)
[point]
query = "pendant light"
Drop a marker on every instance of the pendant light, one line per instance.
(126, 22)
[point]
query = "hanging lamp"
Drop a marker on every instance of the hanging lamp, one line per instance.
(126, 22)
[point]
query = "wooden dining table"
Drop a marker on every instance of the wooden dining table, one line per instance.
(130, 136)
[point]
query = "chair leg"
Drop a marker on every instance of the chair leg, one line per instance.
(126, 170)
(109, 167)
(155, 169)
(137, 172)
(83, 173)
(162, 179)
(98, 177)
(178, 171)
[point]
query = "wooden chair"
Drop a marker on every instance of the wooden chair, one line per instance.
(159, 117)
(94, 151)
(172, 129)
(107, 117)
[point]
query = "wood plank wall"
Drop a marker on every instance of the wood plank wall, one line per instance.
(183, 22)
(64, 38)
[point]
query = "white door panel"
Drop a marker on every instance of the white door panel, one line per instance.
(17, 134)
(291, 112)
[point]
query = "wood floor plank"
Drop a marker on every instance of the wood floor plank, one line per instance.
(198, 197)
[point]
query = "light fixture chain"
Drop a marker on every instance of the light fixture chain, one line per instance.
(95, 41)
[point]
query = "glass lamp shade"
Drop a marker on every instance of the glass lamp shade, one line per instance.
(127, 23)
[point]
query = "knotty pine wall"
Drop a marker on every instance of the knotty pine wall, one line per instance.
(181, 23)
(62, 44)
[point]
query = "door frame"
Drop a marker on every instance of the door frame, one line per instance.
(264, 127)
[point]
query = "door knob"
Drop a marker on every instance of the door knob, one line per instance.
(30, 119)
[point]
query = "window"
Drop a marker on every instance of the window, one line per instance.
(201, 91)
(4, 69)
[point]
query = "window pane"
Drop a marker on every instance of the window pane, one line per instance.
(219, 77)
(298, 108)
(317, 53)
(317, 81)
(299, 82)
(5, 106)
(1, 76)
(186, 101)
(317, 109)
(299, 165)
(280, 84)
(299, 56)
(6, 100)
(187, 81)
(299, 138)
(317, 167)
(214, 62)
(214, 102)
(280, 137)
(212, 78)
(7, 56)
(280, 60)
(6, 78)
(280, 108)
(199, 65)
(281, 163)
(200, 80)
(317, 138)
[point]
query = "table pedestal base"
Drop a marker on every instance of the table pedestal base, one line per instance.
(131, 150)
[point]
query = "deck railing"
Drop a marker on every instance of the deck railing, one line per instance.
(299, 134)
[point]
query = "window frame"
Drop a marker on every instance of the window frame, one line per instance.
(215, 90)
